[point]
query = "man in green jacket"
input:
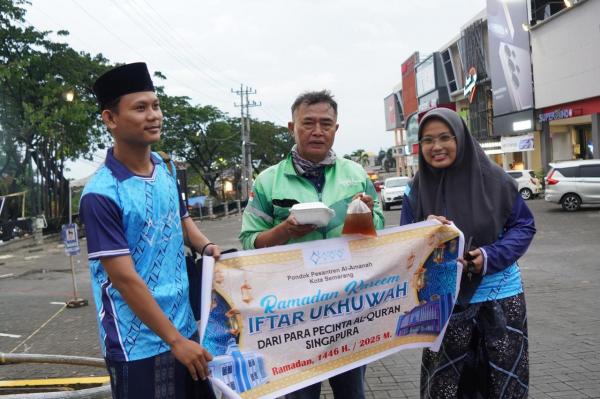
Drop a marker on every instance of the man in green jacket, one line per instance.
(310, 173)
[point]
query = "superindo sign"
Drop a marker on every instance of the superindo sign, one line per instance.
(555, 115)
(282, 318)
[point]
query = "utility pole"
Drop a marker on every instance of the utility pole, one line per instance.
(246, 164)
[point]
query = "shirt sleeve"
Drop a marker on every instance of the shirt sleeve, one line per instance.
(406, 214)
(514, 241)
(103, 227)
(258, 216)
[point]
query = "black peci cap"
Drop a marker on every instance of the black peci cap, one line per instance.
(125, 79)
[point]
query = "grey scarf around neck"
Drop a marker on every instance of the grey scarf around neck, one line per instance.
(475, 193)
(304, 167)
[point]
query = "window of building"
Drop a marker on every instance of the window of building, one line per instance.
(448, 68)
(544, 9)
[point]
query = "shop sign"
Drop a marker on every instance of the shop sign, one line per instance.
(517, 143)
(471, 84)
(561, 113)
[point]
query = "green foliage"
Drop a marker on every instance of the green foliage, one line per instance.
(210, 141)
(389, 162)
(272, 143)
(37, 124)
(39, 127)
(361, 156)
(202, 136)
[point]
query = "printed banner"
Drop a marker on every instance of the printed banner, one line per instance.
(70, 239)
(509, 56)
(282, 318)
(517, 143)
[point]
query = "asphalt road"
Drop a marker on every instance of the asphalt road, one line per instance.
(561, 271)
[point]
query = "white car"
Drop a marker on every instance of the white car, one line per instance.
(573, 183)
(529, 185)
(393, 191)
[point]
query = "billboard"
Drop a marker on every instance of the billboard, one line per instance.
(409, 86)
(393, 113)
(509, 56)
(425, 77)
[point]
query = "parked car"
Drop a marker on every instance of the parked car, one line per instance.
(529, 185)
(573, 183)
(378, 184)
(393, 191)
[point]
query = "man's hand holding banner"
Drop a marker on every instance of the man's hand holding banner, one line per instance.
(282, 318)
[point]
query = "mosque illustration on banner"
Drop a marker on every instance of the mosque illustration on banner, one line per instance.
(435, 282)
(240, 371)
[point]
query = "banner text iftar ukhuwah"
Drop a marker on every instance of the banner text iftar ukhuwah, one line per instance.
(293, 315)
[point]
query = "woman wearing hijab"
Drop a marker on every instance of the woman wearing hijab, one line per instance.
(484, 353)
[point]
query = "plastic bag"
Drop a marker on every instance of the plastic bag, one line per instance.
(359, 219)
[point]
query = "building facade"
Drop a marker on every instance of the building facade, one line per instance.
(525, 76)
(566, 67)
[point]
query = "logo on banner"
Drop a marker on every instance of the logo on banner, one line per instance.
(326, 254)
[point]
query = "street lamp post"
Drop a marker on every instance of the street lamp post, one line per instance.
(74, 302)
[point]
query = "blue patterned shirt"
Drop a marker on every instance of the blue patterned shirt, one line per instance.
(139, 216)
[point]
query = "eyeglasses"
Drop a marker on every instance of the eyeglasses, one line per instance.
(442, 139)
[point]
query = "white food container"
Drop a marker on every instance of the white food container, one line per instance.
(316, 213)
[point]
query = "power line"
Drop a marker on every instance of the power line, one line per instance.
(161, 43)
(134, 50)
(58, 25)
(173, 33)
(106, 29)
(158, 24)
(158, 27)
(270, 114)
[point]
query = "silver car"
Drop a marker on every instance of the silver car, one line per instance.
(573, 183)
(393, 191)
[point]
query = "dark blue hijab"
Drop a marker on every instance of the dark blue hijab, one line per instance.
(473, 192)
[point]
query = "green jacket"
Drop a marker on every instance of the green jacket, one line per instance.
(343, 180)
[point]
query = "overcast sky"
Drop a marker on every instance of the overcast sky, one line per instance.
(278, 47)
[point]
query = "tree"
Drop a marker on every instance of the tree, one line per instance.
(211, 142)
(389, 163)
(38, 125)
(271, 144)
(202, 135)
(380, 157)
